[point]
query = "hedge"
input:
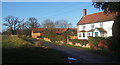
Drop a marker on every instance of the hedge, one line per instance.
(95, 40)
(83, 42)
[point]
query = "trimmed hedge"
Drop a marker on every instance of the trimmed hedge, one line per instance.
(95, 40)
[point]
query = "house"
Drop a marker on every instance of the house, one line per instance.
(40, 31)
(95, 25)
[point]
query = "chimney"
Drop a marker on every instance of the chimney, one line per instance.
(84, 12)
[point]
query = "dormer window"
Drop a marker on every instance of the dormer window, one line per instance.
(83, 26)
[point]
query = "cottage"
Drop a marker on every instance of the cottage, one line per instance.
(95, 25)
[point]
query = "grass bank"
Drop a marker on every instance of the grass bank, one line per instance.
(17, 50)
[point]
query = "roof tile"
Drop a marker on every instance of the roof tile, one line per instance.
(97, 17)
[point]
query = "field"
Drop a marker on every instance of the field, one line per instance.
(17, 50)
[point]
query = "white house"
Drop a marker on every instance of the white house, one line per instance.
(96, 25)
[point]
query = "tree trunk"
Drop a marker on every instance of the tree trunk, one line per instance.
(116, 26)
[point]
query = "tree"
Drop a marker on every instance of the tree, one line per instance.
(12, 23)
(109, 7)
(24, 29)
(33, 23)
(48, 24)
(50, 33)
(67, 34)
(62, 24)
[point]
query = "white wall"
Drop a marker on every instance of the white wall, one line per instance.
(82, 35)
(106, 25)
(88, 26)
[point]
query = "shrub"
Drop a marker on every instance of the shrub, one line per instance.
(83, 42)
(74, 41)
(94, 41)
(103, 44)
(39, 36)
(114, 43)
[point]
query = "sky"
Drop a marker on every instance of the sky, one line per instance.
(71, 11)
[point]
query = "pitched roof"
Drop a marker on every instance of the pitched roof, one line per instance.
(90, 30)
(35, 30)
(101, 30)
(57, 30)
(97, 17)
(60, 30)
(82, 31)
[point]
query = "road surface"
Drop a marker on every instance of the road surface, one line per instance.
(82, 56)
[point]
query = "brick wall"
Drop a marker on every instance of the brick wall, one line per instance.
(34, 35)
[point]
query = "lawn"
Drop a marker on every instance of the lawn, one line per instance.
(17, 50)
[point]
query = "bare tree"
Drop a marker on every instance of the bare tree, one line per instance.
(12, 23)
(48, 24)
(63, 24)
(33, 23)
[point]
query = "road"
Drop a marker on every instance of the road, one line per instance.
(82, 56)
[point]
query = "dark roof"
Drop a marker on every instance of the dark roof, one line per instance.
(97, 17)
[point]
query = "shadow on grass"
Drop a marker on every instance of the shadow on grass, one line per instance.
(32, 55)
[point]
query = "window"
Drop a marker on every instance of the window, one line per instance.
(80, 35)
(96, 34)
(83, 34)
(92, 26)
(83, 26)
(88, 34)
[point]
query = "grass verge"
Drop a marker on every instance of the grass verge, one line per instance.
(17, 50)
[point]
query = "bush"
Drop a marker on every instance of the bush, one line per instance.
(39, 36)
(83, 42)
(94, 41)
(113, 43)
(75, 41)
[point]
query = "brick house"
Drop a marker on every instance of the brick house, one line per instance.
(40, 31)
